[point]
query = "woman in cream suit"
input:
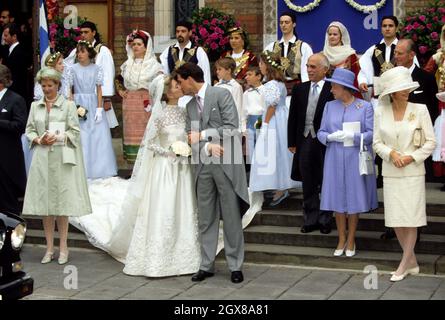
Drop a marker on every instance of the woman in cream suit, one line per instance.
(397, 142)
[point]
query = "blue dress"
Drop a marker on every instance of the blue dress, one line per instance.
(100, 161)
(344, 190)
(272, 161)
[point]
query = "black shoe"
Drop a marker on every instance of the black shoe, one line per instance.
(201, 275)
(443, 188)
(325, 229)
(237, 277)
(309, 228)
(388, 234)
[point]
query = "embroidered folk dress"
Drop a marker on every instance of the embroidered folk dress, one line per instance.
(344, 190)
(56, 186)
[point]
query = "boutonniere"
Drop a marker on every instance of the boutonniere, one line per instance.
(359, 105)
(411, 117)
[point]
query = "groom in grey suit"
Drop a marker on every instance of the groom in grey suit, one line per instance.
(220, 176)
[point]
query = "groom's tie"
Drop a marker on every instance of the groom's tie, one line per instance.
(199, 102)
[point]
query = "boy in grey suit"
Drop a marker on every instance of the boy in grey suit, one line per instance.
(220, 178)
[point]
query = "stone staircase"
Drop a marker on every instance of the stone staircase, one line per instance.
(274, 237)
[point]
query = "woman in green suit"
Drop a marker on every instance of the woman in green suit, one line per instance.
(57, 186)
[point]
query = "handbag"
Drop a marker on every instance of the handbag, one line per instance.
(419, 138)
(365, 159)
(68, 156)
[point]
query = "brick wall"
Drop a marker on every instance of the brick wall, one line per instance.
(249, 14)
(130, 15)
(412, 5)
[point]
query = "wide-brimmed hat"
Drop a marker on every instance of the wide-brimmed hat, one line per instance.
(343, 77)
(394, 80)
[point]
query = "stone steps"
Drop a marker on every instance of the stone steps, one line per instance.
(323, 258)
(291, 236)
(367, 222)
(75, 239)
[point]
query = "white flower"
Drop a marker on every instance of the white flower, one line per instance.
(180, 148)
(81, 112)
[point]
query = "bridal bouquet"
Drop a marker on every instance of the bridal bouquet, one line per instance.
(181, 149)
(81, 112)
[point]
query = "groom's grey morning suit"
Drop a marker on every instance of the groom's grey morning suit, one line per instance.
(219, 186)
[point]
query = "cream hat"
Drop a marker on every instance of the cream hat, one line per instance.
(394, 80)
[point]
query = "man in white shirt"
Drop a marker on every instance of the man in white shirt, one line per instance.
(184, 51)
(379, 57)
(104, 59)
(295, 52)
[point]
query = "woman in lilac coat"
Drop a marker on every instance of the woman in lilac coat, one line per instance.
(344, 190)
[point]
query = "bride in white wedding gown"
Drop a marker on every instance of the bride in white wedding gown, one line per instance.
(150, 222)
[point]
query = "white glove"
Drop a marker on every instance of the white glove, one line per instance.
(98, 116)
(337, 136)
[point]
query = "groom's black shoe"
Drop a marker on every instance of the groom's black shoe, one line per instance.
(237, 277)
(201, 275)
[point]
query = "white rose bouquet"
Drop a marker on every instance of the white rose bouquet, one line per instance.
(181, 149)
(81, 112)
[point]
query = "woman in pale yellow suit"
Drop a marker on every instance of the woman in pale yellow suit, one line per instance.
(404, 138)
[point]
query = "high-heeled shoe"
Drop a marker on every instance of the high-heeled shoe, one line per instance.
(63, 258)
(396, 278)
(350, 253)
(412, 271)
(47, 258)
(339, 252)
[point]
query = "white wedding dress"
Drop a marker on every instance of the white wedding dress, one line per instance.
(158, 236)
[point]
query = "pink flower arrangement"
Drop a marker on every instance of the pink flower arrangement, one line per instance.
(210, 31)
(424, 27)
(61, 39)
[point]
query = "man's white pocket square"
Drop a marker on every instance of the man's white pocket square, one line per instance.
(213, 109)
(4, 110)
(417, 92)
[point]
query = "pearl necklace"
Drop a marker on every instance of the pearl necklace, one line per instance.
(52, 100)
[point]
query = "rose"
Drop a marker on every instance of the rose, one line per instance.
(429, 26)
(422, 18)
(423, 49)
(203, 32)
(434, 35)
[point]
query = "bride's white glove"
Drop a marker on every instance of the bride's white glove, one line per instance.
(98, 116)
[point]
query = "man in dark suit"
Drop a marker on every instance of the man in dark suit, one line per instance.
(306, 110)
(12, 163)
(17, 60)
(404, 55)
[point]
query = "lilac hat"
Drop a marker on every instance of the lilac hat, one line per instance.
(343, 77)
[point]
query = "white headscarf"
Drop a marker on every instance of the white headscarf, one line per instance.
(338, 54)
(139, 76)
